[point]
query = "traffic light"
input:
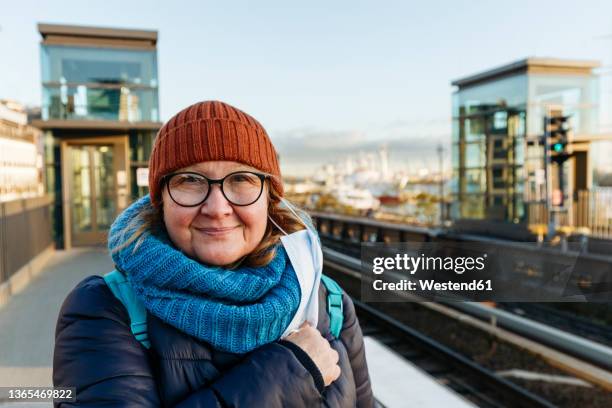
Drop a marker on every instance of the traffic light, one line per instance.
(558, 138)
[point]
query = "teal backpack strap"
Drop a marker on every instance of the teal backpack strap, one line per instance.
(334, 305)
(122, 290)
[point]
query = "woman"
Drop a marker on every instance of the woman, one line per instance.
(228, 275)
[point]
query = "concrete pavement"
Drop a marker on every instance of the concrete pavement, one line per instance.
(27, 321)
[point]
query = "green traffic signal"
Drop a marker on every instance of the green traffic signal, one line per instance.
(558, 147)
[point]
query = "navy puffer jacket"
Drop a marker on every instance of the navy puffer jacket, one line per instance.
(96, 352)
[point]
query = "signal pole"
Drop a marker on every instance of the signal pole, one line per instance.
(547, 182)
(557, 150)
(440, 151)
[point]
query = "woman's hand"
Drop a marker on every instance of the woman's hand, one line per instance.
(318, 349)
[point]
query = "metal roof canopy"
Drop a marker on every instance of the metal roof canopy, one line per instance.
(530, 65)
(59, 34)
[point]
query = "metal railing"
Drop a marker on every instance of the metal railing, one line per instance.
(589, 213)
(100, 102)
(19, 132)
(593, 210)
(25, 232)
(538, 263)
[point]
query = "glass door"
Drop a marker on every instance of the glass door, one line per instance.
(92, 192)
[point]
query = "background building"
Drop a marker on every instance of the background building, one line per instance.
(100, 115)
(21, 173)
(500, 173)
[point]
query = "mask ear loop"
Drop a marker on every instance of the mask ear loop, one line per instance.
(290, 207)
(277, 226)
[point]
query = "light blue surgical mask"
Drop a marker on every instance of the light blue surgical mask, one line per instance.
(305, 254)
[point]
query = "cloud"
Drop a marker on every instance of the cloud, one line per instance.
(310, 138)
(304, 150)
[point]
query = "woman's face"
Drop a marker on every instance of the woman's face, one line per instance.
(216, 232)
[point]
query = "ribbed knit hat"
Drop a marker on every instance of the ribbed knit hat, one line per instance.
(208, 131)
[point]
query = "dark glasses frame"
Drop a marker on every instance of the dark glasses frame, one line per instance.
(166, 180)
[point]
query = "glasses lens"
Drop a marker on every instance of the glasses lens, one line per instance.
(188, 189)
(242, 188)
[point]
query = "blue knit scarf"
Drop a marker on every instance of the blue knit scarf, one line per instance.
(233, 310)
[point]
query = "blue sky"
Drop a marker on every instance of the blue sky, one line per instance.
(322, 74)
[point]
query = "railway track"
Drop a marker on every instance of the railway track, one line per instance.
(565, 321)
(563, 331)
(487, 349)
(475, 383)
(503, 342)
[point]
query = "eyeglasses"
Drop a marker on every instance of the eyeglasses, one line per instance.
(189, 189)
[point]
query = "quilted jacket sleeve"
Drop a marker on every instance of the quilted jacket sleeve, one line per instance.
(352, 338)
(96, 352)
(269, 377)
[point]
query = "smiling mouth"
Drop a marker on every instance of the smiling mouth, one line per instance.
(217, 231)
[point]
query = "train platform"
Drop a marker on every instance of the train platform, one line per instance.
(27, 320)
(27, 325)
(398, 383)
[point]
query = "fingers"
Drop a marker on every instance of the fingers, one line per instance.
(336, 372)
(332, 375)
(319, 350)
(332, 371)
(335, 356)
(293, 332)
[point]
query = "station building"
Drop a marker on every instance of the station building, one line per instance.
(21, 153)
(502, 184)
(25, 220)
(99, 116)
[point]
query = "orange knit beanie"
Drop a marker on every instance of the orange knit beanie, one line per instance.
(208, 131)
